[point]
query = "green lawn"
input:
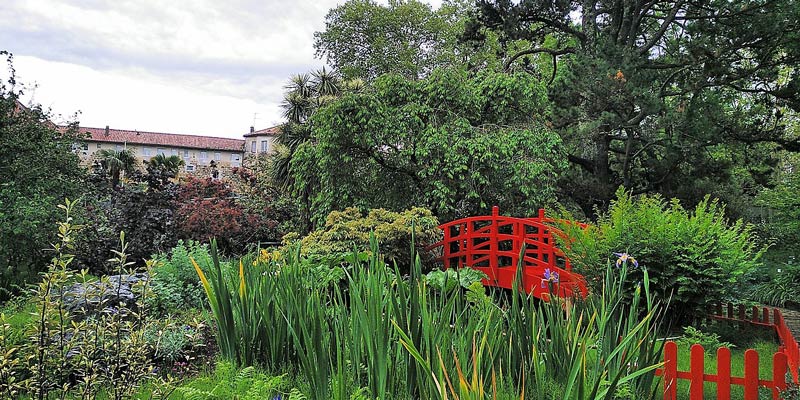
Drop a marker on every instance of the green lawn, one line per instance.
(765, 351)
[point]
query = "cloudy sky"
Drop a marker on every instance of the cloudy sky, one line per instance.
(210, 67)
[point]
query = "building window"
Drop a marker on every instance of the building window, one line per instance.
(99, 146)
(186, 154)
(119, 147)
(174, 152)
(161, 151)
(217, 156)
(203, 156)
(189, 168)
(264, 146)
(86, 146)
(253, 146)
(235, 160)
(147, 152)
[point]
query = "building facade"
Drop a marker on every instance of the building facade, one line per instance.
(261, 141)
(199, 153)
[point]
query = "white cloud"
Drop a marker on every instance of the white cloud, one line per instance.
(183, 66)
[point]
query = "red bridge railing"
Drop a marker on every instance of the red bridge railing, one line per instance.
(493, 244)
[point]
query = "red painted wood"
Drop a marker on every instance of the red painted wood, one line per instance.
(750, 375)
(696, 369)
(779, 368)
(723, 373)
(741, 312)
(476, 243)
(670, 371)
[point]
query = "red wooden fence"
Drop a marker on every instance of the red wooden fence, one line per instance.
(783, 361)
(493, 244)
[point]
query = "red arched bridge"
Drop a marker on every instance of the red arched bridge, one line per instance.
(493, 244)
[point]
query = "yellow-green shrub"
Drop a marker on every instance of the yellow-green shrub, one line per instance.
(349, 230)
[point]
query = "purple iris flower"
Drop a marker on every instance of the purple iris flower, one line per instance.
(549, 276)
(626, 258)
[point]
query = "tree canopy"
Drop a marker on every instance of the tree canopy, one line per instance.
(650, 95)
(450, 142)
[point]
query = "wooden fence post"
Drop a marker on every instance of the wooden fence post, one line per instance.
(779, 369)
(696, 369)
(671, 371)
(750, 375)
(723, 373)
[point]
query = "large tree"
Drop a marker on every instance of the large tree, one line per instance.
(365, 39)
(450, 142)
(38, 169)
(657, 95)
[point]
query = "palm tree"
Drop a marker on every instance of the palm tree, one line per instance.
(117, 163)
(170, 165)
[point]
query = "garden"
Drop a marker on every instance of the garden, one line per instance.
(647, 246)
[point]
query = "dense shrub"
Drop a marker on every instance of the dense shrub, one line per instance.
(147, 216)
(347, 230)
(780, 289)
(175, 283)
(38, 169)
(212, 209)
(695, 257)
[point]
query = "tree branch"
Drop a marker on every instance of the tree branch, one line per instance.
(553, 52)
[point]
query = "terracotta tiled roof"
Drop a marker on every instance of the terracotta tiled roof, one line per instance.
(273, 131)
(163, 139)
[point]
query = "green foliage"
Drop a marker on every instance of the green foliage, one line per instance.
(174, 282)
(695, 257)
(38, 169)
(384, 337)
(364, 39)
(67, 356)
(780, 289)
(672, 97)
(229, 383)
(450, 279)
(175, 344)
(350, 229)
(454, 143)
(783, 205)
(710, 341)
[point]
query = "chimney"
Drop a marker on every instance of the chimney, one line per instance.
(252, 129)
(106, 130)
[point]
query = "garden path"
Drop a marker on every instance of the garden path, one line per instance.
(792, 319)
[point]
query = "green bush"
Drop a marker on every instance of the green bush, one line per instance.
(347, 230)
(710, 341)
(781, 289)
(175, 284)
(696, 257)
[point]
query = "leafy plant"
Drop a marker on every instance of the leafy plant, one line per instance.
(175, 284)
(349, 229)
(781, 289)
(69, 355)
(710, 341)
(389, 336)
(227, 383)
(452, 278)
(695, 257)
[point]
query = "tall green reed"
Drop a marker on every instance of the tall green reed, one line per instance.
(386, 336)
